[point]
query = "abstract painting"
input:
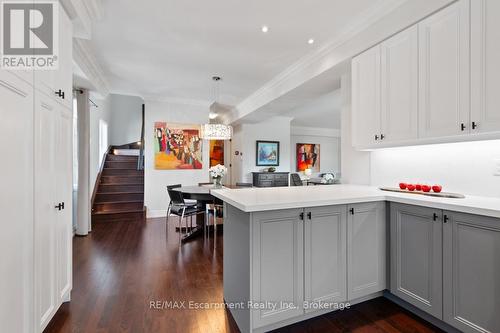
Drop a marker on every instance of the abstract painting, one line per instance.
(268, 153)
(177, 147)
(216, 152)
(308, 156)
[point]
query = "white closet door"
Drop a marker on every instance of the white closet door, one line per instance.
(399, 95)
(444, 72)
(45, 211)
(16, 201)
(64, 181)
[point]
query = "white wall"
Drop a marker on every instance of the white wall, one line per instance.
(355, 165)
(101, 112)
(465, 167)
(156, 181)
(126, 119)
(329, 151)
(244, 140)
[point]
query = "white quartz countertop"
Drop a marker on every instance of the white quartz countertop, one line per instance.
(273, 198)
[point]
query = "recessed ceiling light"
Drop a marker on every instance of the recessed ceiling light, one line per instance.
(310, 41)
(265, 28)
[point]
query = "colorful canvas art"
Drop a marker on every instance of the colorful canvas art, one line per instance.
(268, 153)
(177, 147)
(308, 156)
(216, 152)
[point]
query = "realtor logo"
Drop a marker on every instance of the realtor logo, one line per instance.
(29, 37)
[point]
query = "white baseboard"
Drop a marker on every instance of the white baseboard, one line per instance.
(153, 213)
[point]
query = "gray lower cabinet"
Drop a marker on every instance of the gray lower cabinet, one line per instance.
(325, 255)
(471, 272)
(416, 257)
(277, 266)
(366, 249)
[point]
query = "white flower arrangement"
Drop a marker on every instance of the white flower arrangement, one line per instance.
(217, 171)
(327, 178)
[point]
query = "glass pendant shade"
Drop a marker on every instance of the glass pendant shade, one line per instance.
(216, 132)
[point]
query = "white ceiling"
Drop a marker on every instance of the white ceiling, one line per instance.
(323, 112)
(170, 49)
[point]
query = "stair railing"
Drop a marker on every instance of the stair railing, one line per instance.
(140, 160)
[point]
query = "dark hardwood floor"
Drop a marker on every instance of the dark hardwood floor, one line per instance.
(121, 267)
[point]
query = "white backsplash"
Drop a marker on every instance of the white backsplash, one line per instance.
(466, 167)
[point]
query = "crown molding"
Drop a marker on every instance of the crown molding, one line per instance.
(82, 13)
(85, 59)
(365, 20)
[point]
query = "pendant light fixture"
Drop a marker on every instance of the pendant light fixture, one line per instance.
(214, 130)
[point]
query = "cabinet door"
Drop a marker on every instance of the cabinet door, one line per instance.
(16, 198)
(444, 72)
(325, 255)
(366, 98)
(472, 272)
(64, 194)
(277, 265)
(45, 213)
(399, 95)
(366, 249)
(485, 60)
(416, 257)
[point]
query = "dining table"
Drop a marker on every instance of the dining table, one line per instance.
(200, 193)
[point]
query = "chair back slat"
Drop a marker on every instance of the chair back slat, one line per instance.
(296, 181)
(176, 197)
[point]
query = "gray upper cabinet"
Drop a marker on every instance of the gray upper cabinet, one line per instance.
(325, 254)
(277, 265)
(416, 257)
(472, 272)
(366, 249)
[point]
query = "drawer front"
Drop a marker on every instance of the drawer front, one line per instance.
(265, 183)
(265, 177)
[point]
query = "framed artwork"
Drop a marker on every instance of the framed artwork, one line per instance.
(267, 153)
(177, 147)
(308, 156)
(216, 152)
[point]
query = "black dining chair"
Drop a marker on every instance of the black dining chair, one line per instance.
(295, 180)
(244, 185)
(180, 208)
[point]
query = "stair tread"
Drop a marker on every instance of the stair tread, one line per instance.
(117, 202)
(133, 192)
(118, 211)
(119, 184)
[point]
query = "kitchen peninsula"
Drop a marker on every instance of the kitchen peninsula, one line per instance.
(293, 253)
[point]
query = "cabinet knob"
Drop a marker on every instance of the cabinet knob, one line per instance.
(445, 218)
(382, 137)
(474, 125)
(462, 126)
(351, 211)
(309, 215)
(376, 137)
(435, 217)
(301, 216)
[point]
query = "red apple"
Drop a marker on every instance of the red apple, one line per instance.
(426, 188)
(418, 187)
(402, 186)
(437, 188)
(410, 187)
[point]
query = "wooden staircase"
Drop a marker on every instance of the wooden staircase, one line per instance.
(119, 194)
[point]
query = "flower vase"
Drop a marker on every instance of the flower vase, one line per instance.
(217, 182)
